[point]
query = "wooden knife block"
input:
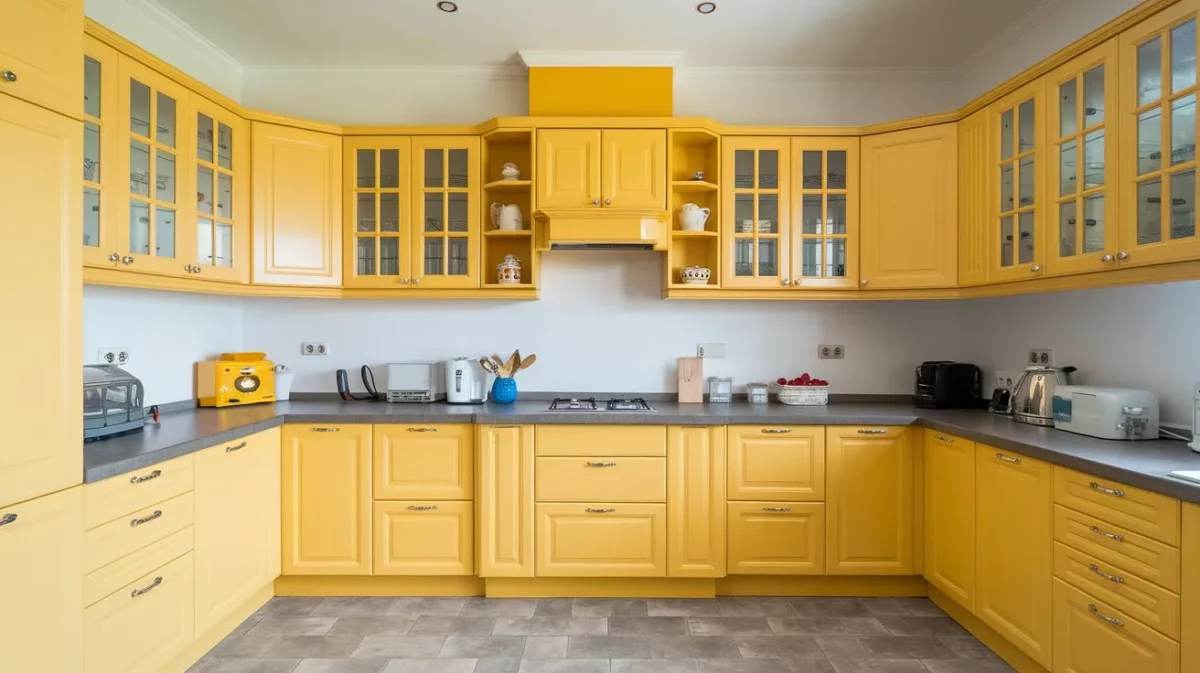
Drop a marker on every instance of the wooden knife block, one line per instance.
(691, 381)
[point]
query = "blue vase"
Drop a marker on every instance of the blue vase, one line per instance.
(504, 391)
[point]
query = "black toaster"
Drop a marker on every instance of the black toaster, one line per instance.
(942, 384)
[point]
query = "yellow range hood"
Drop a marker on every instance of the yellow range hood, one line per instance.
(602, 229)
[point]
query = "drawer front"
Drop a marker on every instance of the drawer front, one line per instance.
(776, 538)
(1150, 514)
(127, 569)
(591, 440)
(132, 532)
(777, 463)
(1091, 636)
(1119, 547)
(107, 500)
(144, 624)
(935, 438)
(424, 462)
(601, 540)
(1145, 601)
(606, 479)
(424, 538)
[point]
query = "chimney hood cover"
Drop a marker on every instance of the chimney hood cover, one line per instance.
(602, 229)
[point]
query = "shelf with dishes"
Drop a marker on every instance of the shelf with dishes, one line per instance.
(509, 258)
(694, 252)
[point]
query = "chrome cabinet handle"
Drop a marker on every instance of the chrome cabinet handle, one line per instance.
(7, 519)
(153, 475)
(1035, 268)
(9, 76)
(1007, 459)
(1107, 258)
(872, 431)
(236, 447)
(776, 509)
(1122, 256)
(114, 257)
(776, 431)
(1111, 620)
(593, 464)
(422, 429)
(127, 259)
(1111, 536)
(1114, 492)
(604, 510)
(138, 592)
(134, 523)
(422, 508)
(1111, 578)
(944, 438)
(324, 429)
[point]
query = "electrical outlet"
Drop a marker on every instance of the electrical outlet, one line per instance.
(831, 352)
(1043, 357)
(314, 348)
(114, 355)
(1006, 380)
(710, 351)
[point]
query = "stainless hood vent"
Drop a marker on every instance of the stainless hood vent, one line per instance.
(601, 246)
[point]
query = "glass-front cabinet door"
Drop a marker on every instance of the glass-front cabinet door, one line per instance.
(222, 164)
(825, 196)
(446, 211)
(1082, 212)
(1158, 131)
(755, 231)
(378, 242)
(1017, 158)
(101, 123)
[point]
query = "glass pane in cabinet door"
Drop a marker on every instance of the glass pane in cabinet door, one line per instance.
(224, 146)
(365, 169)
(1149, 219)
(91, 87)
(1067, 229)
(1067, 163)
(389, 169)
(365, 254)
(1066, 109)
(743, 257)
(433, 257)
(1006, 241)
(204, 240)
(812, 170)
(365, 216)
(811, 258)
(1025, 182)
(225, 195)
(835, 258)
(433, 213)
(164, 129)
(836, 173)
(1006, 134)
(139, 168)
(204, 189)
(1025, 225)
(458, 257)
(91, 152)
(1093, 224)
(1183, 56)
(1093, 159)
(743, 213)
(164, 177)
(139, 108)
(1149, 141)
(768, 213)
(811, 214)
(434, 168)
(835, 217)
(164, 232)
(204, 137)
(1006, 188)
(743, 169)
(1149, 72)
(1183, 129)
(224, 246)
(139, 227)
(458, 169)
(389, 256)
(456, 203)
(768, 257)
(1026, 121)
(91, 217)
(1093, 96)
(1183, 205)
(389, 212)
(768, 169)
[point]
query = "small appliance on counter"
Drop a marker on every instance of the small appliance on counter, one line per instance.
(1034, 393)
(234, 379)
(464, 382)
(416, 382)
(1001, 402)
(942, 384)
(283, 383)
(112, 402)
(1107, 413)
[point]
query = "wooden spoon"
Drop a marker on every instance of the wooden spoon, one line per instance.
(528, 362)
(501, 369)
(514, 364)
(488, 366)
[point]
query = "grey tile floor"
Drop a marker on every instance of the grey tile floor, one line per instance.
(488, 635)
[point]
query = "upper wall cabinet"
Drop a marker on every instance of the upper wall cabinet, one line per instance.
(755, 211)
(296, 199)
(378, 211)
(909, 209)
(1018, 123)
(581, 168)
(445, 196)
(102, 129)
(974, 198)
(41, 46)
(825, 207)
(222, 177)
(1159, 127)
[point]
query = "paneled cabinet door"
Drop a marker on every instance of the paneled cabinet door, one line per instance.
(326, 499)
(1081, 117)
(1013, 558)
(41, 46)
(601, 540)
(222, 177)
(974, 198)
(1158, 139)
(1017, 157)
(102, 129)
(424, 538)
(696, 502)
(777, 463)
(633, 168)
(909, 209)
(568, 168)
(504, 529)
(446, 209)
(40, 212)
(424, 462)
(237, 524)
(776, 538)
(950, 515)
(869, 501)
(296, 196)
(41, 579)
(825, 201)
(756, 232)
(378, 210)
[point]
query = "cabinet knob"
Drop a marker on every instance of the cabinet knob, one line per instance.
(197, 268)
(1034, 268)
(127, 259)
(1107, 258)
(404, 281)
(416, 281)
(1122, 256)
(785, 281)
(114, 257)
(9, 76)
(595, 202)
(608, 202)
(863, 281)
(187, 267)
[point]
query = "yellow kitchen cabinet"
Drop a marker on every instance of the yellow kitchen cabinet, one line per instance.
(1150, 514)
(1018, 163)
(41, 580)
(326, 502)
(777, 463)
(424, 462)
(1138, 598)
(609, 479)
(1190, 590)
(222, 178)
(377, 217)
(1013, 552)
(296, 197)
(1158, 128)
(950, 515)
(601, 440)
(1083, 141)
(825, 195)
(776, 538)
(504, 525)
(696, 501)
(116, 539)
(601, 540)
(756, 200)
(910, 209)
(144, 625)
(1090, 636)
(41, 47)
(102, 129)
(568, 168)
(869, 500)
(633, 168)
(445, 202)
(40, 208)
(974, 198)
(237, 524)
(424, 538)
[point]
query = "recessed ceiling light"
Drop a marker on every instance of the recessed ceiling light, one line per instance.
(706, 7)
(450, 7)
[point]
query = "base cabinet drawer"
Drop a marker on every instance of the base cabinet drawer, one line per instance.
(606, 479)
(1145, 601)
(1132, 553)
(776, 538)
(135, 531)
(600, 440)
(1150, 514)
(424, 538)
(601, 540)
(1091, 636)
(776, 463)
(142, 626)
(424, 462)
(118, 496)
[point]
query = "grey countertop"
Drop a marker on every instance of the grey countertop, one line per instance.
(1141, 464)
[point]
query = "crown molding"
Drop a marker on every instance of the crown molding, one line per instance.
(183, 32)
(817, 74)
(644, 59)
(410, 72)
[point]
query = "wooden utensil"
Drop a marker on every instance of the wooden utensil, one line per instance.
(514, 363)
(488, 366)
(500, 368)
(528, 362)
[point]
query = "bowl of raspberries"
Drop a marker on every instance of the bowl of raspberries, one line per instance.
(803, 390)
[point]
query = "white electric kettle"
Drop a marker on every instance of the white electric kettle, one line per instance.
(506, 217)
(464, 381)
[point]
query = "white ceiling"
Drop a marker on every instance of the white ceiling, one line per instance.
(833, 34)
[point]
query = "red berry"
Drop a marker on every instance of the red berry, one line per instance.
(782, 381)
(805, 378)
(794, 382)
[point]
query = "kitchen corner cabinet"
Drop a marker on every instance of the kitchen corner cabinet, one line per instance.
(909, 209)
(696, 501)
(756, 198)
(611, 168)
(825, 192)
(950, 515)
(40, 209)
(504, 526)
(1190, 587)
(1016, 160)
(326, 484)
(869, 500)
(41, 47)
(1013, 555)
(974, 198)
(296, 190)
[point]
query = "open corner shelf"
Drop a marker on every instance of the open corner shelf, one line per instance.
(506, 185)
(679, 233)
(694, 186)
(508, 233)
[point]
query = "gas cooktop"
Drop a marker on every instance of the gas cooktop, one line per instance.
(636, 404)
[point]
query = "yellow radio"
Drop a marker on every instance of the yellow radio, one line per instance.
(234, 379)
